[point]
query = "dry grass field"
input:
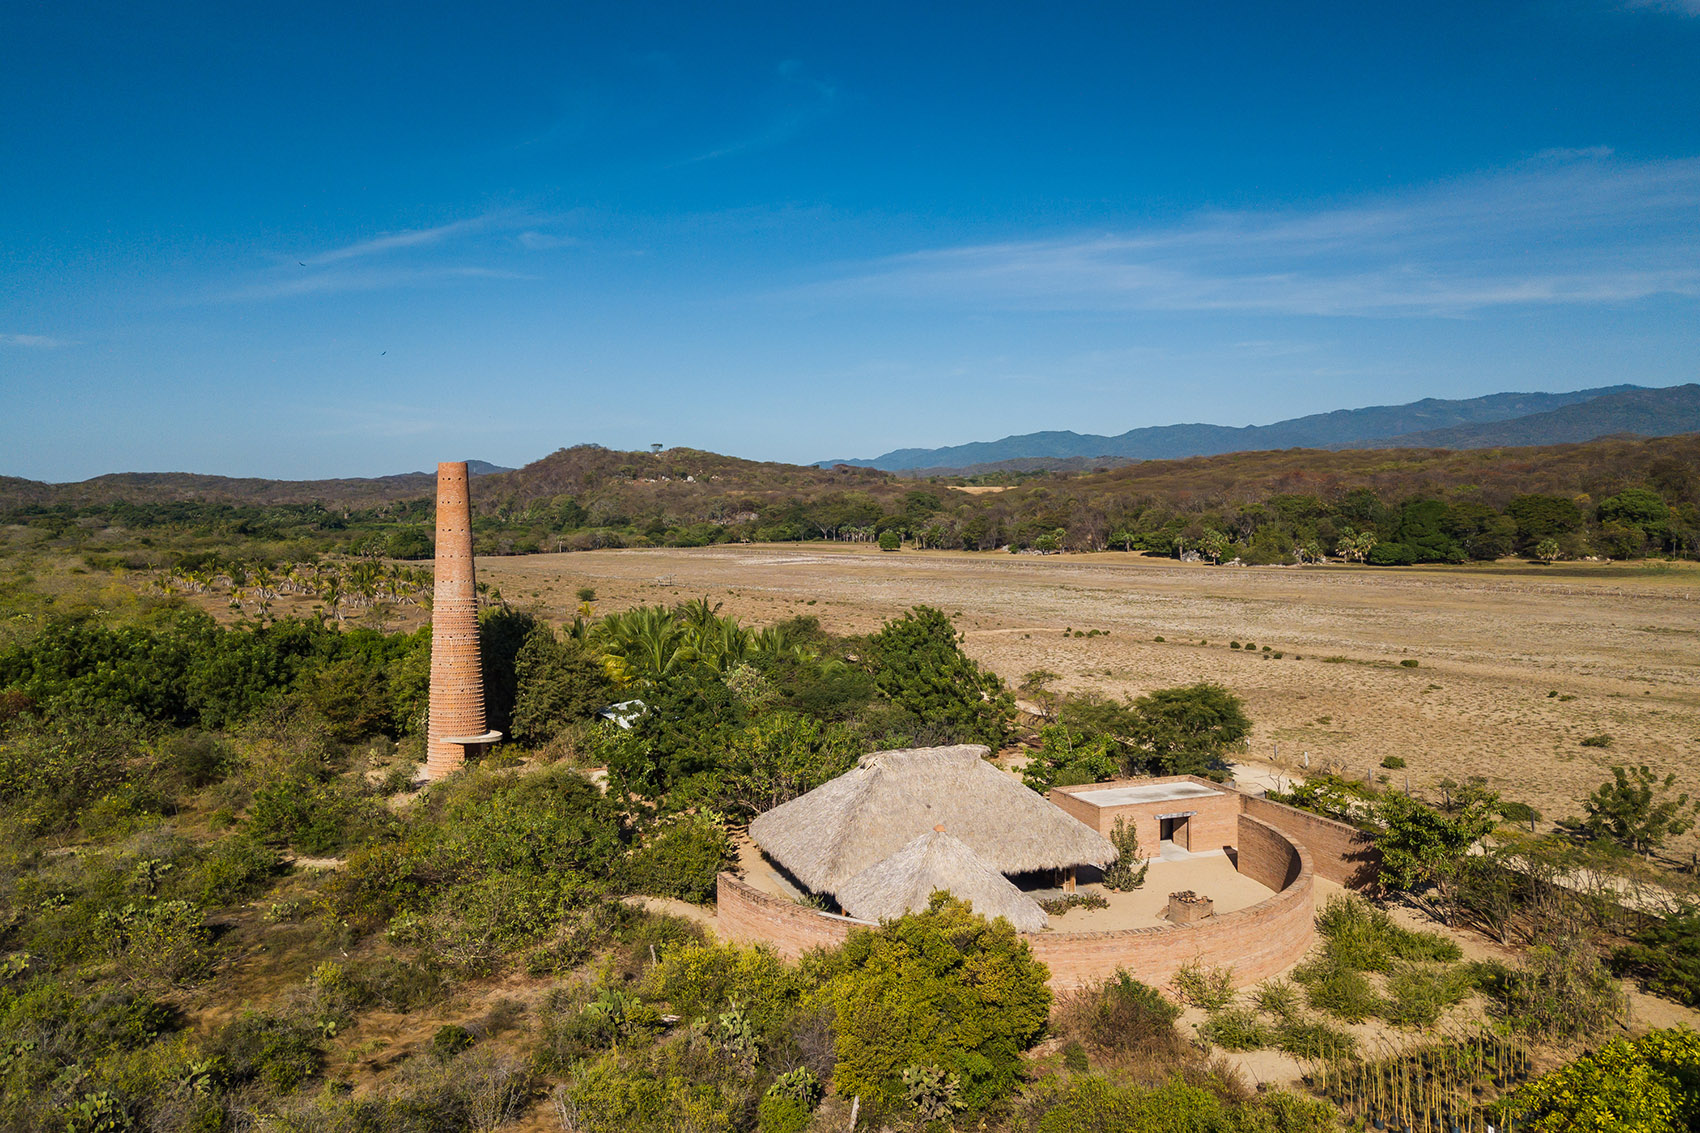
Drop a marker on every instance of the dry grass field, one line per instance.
(1618, 643)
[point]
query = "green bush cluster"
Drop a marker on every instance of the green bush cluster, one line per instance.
(1423, 977)
(682, 859)
(943, 988)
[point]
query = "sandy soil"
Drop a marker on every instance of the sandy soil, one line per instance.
(1211, 875)
(1618, 643)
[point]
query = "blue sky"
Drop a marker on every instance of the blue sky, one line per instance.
(319, 240)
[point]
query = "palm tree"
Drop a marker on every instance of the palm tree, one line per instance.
(643, 644)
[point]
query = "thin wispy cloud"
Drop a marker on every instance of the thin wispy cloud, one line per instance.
(319, 283)
(32, 341)
(397, 241)
(474, 248)
(544, 241)
(802, 100)
(501, 221)
(1550, 232)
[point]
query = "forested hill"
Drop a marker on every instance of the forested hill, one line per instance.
(180, 487)
(1420, 424)
(1635, 412)
(675, 473)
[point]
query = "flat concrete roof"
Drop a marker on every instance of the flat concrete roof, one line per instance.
(1155, 793)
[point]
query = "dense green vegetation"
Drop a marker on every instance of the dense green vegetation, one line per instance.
(1618, 499)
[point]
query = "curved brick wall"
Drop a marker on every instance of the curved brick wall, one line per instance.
(749, 916)
(457, 672)
(1257, 942)
(1340, 853)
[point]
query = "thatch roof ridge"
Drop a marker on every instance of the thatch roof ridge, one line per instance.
(905, 881)
(842, 827)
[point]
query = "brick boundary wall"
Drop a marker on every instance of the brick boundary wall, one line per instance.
(1257, 942)
(749, 916)
(1339, 851)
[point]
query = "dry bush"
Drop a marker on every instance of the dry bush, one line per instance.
(1124, 1023)
(1209, 988)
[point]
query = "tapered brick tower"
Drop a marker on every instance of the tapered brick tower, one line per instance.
(457, 675)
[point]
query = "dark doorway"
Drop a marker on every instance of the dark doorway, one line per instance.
(1173, 830)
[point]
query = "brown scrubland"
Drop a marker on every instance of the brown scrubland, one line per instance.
(1619, 645)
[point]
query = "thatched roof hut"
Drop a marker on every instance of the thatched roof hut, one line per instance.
(905, 881)
(839, 829)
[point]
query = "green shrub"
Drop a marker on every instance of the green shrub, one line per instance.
(235, 869)
(1601, 740)
(449, 1040)
(942, 988)
(700, 979)
(782, 1113)
(309, 816)
(918, 664)
(1665, 957)
(196, 759)
(1119, 1014)
(1647, 1085)
(1393, 762)
(1235, 1029)
(1128, 871)
(1338, 989)
(1560, 991)
(1279, 999)
(1089, 1102)
(353, 697)
(1363, 937)
(1520, 813)
(1067, 756)
(50, 774)
(279, 1051)
(1418, 993)
(1308, 1039)
(166, 940)
(1409, 663)
(682, 860)
(560, 681)
(1074, 1058)
(1209, 988)
(669, 1090)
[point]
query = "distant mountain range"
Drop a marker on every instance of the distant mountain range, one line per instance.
(473, 468)
(1501, 419)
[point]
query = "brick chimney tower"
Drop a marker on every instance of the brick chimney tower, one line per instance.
(457, 674)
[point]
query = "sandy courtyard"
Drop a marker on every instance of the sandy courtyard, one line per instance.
(1618, 645)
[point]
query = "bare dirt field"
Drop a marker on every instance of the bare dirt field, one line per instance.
(1619, 644)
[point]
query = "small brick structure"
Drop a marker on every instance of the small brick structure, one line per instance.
(1187, 907)
(456, 723)
(1194, 814)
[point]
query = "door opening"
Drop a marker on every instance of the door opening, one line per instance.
(1174, 830)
